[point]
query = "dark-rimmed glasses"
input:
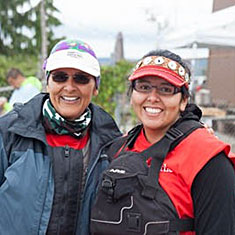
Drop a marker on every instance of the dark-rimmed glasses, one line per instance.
(61, 76)
(162, 89)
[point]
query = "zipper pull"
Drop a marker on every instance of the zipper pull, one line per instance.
(103, 156)
(66, 151)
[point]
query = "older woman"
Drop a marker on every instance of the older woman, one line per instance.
(50, 157)
(170, 174)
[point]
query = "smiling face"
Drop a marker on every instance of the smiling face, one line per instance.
(70, 98)
(157, 112)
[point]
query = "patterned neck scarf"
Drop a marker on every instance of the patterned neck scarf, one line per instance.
(55, 123)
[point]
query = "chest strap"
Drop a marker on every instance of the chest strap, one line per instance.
(158, 152)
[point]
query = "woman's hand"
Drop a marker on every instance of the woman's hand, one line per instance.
(208, 128)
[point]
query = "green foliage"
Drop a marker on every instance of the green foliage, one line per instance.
(11, 22)
(113, 81)
(27, 64)
(20, 30)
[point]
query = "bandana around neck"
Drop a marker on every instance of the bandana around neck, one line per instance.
(55, 123)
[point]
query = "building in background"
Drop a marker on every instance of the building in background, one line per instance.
(118, 53)
(221, 69)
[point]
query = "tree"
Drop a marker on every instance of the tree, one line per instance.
(51, 23)
(20, 26)
(11, 25)
(113, 81)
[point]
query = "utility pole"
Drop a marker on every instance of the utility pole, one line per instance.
(162, 26)
(44, 38)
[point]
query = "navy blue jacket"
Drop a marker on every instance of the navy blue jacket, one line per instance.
(26, 175)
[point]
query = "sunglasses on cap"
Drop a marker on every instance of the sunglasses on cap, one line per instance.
(61, 76)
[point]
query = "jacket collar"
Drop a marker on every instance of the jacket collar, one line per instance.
(29, 115)
(29, 121)
(103, 124)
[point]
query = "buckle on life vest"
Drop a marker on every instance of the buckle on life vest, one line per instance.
(148, 190)
(108, 188)
(133, 221)
(174, 133)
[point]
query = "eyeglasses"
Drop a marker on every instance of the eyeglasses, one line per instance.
(162, 89)
(61, 76)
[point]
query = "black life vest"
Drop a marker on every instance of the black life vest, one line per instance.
(129, 198)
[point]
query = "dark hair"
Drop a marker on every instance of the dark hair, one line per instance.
(170, 55)
(13, 73)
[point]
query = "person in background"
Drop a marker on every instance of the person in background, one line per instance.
(193, 190)
(24, 89)
(50, 148)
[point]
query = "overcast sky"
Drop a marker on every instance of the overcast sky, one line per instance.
(98, 22)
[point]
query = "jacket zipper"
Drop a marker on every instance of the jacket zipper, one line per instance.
(66, 167)
(89, 174)
(93, 166)
(66, 151)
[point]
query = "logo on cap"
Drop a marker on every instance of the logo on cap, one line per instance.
(73, 54)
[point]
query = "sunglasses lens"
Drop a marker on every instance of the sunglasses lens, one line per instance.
(81, 79)
(60, 77)
(63, 77)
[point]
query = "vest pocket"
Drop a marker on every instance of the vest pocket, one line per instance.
(120, 207)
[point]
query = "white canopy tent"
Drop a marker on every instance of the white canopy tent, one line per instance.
(217, 30)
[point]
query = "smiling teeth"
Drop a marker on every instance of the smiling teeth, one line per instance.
(152, 110)
(70, 98)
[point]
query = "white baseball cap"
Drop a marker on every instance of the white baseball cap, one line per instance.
(75, 54)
